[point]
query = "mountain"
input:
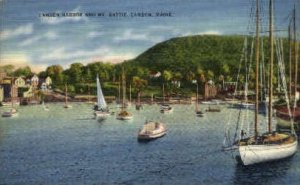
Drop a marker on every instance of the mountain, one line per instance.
(219, 54)
(182, 54)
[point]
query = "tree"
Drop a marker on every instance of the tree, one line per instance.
(8, 69)
(190, 76)
(210, 75)
(167, 75)
(75, 73)
(56, 74)
(25, 71)
(139, 84)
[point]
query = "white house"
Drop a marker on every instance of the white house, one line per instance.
(34, 81)
(48, 81)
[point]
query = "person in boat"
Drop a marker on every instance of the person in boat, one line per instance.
(243, 134)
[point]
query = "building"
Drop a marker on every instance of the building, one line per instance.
(48, 81)
(34, 81)
(210, 90)
(1, 94)
(2, 76)
(45, 84)
(20, 82)
(10, 90)
(155, 74)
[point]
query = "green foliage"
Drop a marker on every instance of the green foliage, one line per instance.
(201, 58)
(167, 75)
(139, 84)
(56, 74)
(8, 69)
(23, 71)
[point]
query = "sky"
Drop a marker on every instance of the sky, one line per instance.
(30, 35)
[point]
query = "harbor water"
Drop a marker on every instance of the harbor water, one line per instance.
(68, 146)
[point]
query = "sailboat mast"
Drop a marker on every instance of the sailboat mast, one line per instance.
(163, 93)
(123, 88)
(11, 92)
(197, 97)
(89, 95)
(119, 88)
(130, 93)
(66, 91)
(290, 62)
(257, 69)
(296, 55)
(271, 66)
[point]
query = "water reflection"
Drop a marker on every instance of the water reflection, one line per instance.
(265, 173)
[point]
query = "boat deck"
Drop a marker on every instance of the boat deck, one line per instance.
(270, 138)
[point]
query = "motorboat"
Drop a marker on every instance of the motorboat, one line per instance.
(152, 130)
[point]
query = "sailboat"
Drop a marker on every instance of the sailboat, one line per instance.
(198, 112)
(12, 112)
(165, 108)
(282, 113)
(124, 115)
(101, 109)
(66, 98)
(138, 105)
(269, 146)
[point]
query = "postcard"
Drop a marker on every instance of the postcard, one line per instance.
(149, 92)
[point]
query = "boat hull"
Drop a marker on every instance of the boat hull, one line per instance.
(166, 109)
(152, 130)
(8, 114)
(67, 106)
(99, 115)
(253, 154)
(124, 117)
(145, 137)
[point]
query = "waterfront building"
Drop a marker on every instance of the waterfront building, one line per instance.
(45, 84)
(210, 90)
(2, 76)
(155, 74)
(1, 94)
(20, 82)
(34, 81)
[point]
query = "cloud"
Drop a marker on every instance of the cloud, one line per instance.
(63, 54)
(210, 32)
(94, 34)
(103, 53)
(48, 35)
(62, 19)
(129, 35)
(189, 33)
(12, 33)
(20, 60)
(145, 36)
(112, 58)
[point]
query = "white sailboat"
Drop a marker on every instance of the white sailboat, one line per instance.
(271, 145)
(101, 109)
(124, 115)
(12, 112)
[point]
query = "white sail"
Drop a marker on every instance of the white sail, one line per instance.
(100, 98)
